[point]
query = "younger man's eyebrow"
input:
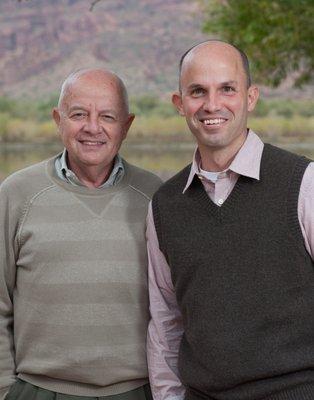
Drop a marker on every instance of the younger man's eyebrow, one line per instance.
(194, 86)
(229, 83)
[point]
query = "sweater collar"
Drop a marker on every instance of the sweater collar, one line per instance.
(83, 190)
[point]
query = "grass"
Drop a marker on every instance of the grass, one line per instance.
(156, 121)
(296, 128)
(154, 128)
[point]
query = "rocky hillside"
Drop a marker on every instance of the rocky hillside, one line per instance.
(142, 40)
(42, 41)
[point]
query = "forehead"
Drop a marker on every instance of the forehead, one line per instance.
(92, 90)
(212, 64)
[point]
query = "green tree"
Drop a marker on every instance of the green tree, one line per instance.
(277, 35)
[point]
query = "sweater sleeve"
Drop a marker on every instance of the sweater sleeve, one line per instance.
(8, 229)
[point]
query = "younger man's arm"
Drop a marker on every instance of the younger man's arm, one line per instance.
(165, 328)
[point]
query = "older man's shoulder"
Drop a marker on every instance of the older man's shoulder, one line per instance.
(27, 181)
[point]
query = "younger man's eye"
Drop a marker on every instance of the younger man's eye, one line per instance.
(228, 89)
(197, 92)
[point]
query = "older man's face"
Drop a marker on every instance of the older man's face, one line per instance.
(92, 121)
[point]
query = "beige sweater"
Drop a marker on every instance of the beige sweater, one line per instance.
(73, 279)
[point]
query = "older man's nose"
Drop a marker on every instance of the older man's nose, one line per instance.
(92, 125)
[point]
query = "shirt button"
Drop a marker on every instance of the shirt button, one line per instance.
(220, 202)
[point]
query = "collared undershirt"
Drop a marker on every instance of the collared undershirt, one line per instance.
(211, 176)
(218, 185)
(66, 174)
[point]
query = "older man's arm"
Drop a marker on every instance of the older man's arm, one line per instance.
(8, 226)
(165, 328)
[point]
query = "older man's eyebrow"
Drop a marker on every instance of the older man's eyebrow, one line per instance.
(79, 107)
(76, 107)
(107, 111)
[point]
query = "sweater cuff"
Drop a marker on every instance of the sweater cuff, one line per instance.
(4, 392)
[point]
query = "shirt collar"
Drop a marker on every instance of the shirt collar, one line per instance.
(67, 174)
(63, 162)
(247, 161)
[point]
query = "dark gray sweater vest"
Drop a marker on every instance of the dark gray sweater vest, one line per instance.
(244, 284)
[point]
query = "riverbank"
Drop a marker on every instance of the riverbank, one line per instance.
(164, 130)
(163, 158)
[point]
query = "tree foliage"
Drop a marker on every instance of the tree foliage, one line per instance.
(277, 35)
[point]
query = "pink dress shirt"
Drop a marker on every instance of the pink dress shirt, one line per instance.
(165, 328)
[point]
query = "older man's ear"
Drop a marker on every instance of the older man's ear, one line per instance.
(56, 115)
(128, 123)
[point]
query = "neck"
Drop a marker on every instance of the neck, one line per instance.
(92, 176)
(216, 159)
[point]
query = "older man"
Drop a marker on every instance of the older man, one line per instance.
(231, 245)
(74, 304)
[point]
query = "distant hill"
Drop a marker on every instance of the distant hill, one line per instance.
(142, 40)
(42, 41)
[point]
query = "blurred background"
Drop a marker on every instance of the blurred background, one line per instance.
(42, 41)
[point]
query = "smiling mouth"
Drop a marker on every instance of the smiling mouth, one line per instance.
(92, 143)
(213, 121)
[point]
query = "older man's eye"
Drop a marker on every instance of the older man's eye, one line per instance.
(78, 115)
(108, 117)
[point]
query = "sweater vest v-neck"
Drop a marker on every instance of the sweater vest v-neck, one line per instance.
(244, 284)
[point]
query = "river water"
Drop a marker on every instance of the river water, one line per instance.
(165, 160)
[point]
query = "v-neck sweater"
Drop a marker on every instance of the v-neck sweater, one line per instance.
(244, 283)
(73, 281)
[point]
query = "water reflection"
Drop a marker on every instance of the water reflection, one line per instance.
(164, 160)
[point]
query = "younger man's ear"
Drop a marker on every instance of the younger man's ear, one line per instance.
(177, 102)
(253, 95)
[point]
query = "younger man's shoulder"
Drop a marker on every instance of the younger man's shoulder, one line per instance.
(175, 183)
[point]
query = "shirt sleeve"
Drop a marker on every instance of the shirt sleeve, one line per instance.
(165, 328)
(306, 208)
(8, 227)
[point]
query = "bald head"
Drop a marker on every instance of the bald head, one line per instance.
(94, 77)
(214, 46)
(215, 100)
